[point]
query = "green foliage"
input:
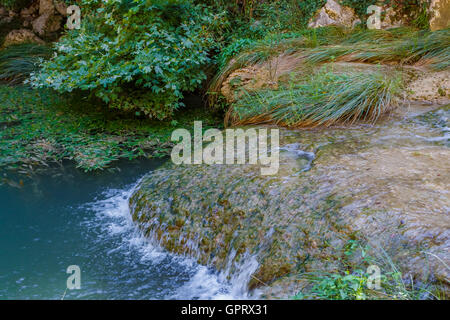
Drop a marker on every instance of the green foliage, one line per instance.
(39, 127)
(137, 55)
(245, 52)
(256, 19)
(280, 16)
(18, 61)
(353, 283)
(232, 50)
(338, 287)
(303, 11)
(323, 99)
(15, 4)
(360, 6)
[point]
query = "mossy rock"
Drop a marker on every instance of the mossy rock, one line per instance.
(300, 221)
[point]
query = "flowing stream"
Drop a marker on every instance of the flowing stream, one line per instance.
(72, 218)
(65, 217)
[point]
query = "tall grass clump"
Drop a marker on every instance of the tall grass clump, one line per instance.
(324, 99)
(401, 46)
(353, 283)
(434, 49)
(247, 52)
(18, 61)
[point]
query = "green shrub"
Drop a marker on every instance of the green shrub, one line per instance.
(233, 49)
(360, 6)
(15, 4)
(18, 61)
(338, 287)
(286, 14)
(134, 55)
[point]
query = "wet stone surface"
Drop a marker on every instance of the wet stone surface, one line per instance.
(385, 185)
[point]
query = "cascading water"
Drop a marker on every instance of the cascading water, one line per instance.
(77, 219)
(203, 283)
(84, 220)
(331, 184)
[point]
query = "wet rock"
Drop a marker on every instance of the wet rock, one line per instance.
(21, 36)
(383, 185)
(334, 14)
(440, 14)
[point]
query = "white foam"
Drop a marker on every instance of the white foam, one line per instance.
(112, 214)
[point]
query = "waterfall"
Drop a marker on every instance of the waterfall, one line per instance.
(202, 282)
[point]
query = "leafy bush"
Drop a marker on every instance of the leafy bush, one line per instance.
(360, 6)
(338, 287)
(304, 10)
(134, 55)
(353, 283)
(286, 14)
(233, 49)
(256, 19)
